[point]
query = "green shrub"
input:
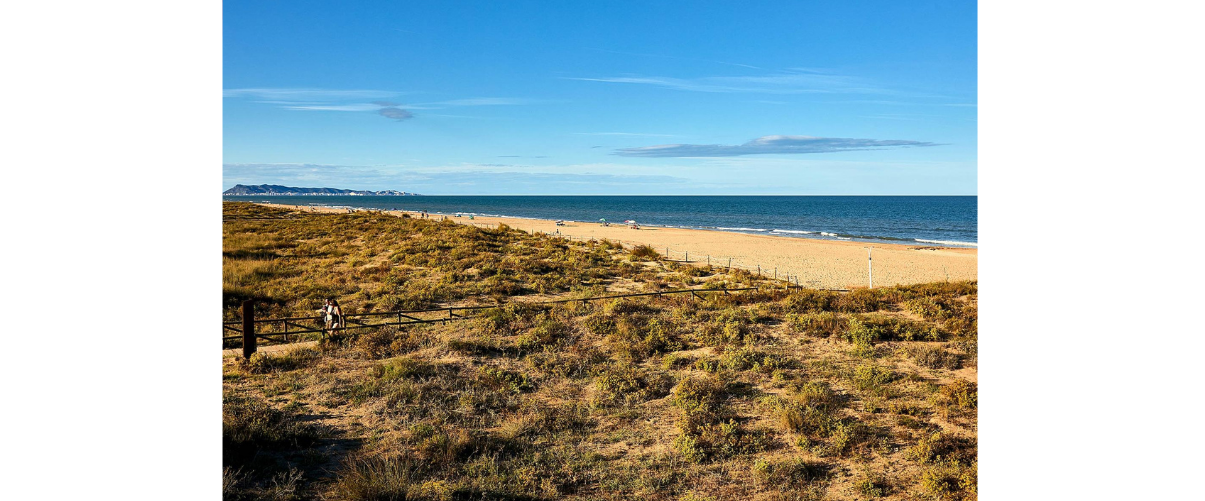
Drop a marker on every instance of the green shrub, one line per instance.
(935, 357)
(859, 301)
(811, 301)
(296, 358)
(378, 479)
(823, 324)
(943, 447)
(547, 331)
(402, 367)
(625, 384)
(873, 379)
(503, 380)
(700, 397)
(961, 395)
(746, 358)
(790, 473)
(644, 253)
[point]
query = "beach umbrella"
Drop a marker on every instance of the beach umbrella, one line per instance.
(602, 220)
(630, 221)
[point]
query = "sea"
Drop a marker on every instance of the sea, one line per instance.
(918, 220)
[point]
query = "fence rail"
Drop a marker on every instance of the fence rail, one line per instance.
(407, 317)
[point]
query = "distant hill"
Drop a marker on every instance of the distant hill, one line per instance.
(277, 190)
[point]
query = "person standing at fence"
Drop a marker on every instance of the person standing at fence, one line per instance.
(333, 315)
(337, 313)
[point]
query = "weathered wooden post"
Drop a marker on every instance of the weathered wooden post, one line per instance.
(869, 267)
(248, 329)
(687, 258)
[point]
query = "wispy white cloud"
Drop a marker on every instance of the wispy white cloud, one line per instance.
(326, 100)
(309, 94)
(623, 134)
(768, 145)
(354, 101)
(799, 81)
(663, 56)
(334, 107)
(483, 101)
(910, 103)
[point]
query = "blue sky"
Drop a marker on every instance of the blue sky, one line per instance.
(790, 98)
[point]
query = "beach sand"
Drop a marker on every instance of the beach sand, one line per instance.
(811, 262)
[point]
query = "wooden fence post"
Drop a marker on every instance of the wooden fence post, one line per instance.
(248, 329)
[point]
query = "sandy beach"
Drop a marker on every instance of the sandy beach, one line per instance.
(811, 262)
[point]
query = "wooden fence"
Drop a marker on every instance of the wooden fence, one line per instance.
(294, 326)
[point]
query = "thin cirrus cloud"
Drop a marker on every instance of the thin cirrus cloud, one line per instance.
(354, 101)
(768, 145)
(796, 81)
(622, 134)
(484, 101)
(297, 95)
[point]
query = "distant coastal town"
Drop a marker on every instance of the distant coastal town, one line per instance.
(277, 190)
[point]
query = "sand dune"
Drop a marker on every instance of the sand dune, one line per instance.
(819, 263)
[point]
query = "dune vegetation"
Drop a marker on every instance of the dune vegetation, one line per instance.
(769, 394)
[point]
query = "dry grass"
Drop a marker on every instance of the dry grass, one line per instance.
(765, 395)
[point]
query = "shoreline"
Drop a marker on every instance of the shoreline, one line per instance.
(772, 228)
(808, 261)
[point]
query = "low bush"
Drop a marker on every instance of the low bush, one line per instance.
(935, 357)
(822, 325)
(625, 384)
(503, 380)
(943, 447)
(790, 473)
(379, 479)
(959, 395)
(644, 253)
(873, 379)
(296, 358)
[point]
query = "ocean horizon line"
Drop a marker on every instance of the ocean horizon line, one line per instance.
(942, 220)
